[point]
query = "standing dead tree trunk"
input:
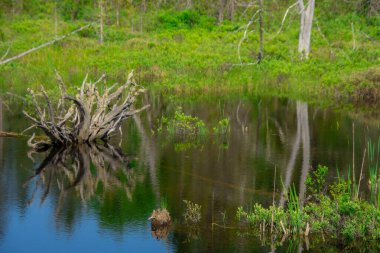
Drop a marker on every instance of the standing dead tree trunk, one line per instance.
(92, 115)
(307, 14)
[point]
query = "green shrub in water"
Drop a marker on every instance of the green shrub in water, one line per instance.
(183, 125)
(339, 215)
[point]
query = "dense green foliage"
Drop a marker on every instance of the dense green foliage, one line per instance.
(191, 49)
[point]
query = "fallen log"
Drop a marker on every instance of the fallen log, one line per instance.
(10, 134)
(92, 115)
(4, 61)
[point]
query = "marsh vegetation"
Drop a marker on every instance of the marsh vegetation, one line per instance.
(234, 125)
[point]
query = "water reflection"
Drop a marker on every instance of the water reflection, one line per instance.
(302, 136)
(113, 190)
(83, 168)
(2, 179)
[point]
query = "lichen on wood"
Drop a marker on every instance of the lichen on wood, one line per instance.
(92, 115)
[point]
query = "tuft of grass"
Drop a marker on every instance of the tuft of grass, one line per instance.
(164, 203)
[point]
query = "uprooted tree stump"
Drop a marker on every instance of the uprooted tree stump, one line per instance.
(160, 223)
(90, 116)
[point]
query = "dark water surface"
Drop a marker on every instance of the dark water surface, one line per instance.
(98, 199)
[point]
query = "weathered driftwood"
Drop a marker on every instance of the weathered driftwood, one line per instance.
(92, 114)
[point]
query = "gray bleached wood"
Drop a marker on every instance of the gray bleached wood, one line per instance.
(92, 114)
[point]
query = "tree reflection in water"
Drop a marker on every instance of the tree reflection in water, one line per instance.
(83, 169)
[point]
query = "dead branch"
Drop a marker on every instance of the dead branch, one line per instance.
(10, 134)
(245, 35)
(284, 18)
(91, 116)
(5, 54)
(42, 45)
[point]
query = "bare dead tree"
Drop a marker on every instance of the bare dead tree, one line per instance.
(92, 114)
(307, 14)
(306, 22)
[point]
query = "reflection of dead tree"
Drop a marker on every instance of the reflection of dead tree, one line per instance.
(304, 135)
(93, 115)
(242, 123)
(69, 167)
(149, 149)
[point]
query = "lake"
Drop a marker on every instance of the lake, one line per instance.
(99, 198)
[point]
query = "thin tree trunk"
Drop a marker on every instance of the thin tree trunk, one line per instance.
(261, 53)
(101, 21)
(305, 27)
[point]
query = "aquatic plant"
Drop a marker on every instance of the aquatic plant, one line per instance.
(192, 214)
(316, 182)
(182, 125)
(294, 210)
(373, 167)
(222, 128)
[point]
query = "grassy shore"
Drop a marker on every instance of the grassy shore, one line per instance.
(174, 55)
